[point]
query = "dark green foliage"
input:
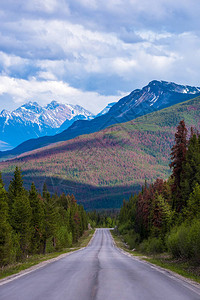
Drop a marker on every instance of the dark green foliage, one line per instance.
(21, 215)
(16, 188)
(37, 220)
(6, 243)
(20, 212)
(152, 246)
(103, 218)
(166, 215)
(96, 168)
(184, 240)
(35, 224)
(191, 167)
(178, 157)
(193, 207)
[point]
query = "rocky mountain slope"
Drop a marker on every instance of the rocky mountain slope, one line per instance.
(32, 120)
(104, 167)
(153, 97)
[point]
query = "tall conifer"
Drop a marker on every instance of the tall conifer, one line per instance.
(178, 157)
(20, 211)
(37, 220)
(6, 244)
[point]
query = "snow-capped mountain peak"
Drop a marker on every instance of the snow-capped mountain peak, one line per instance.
(32, 120)
(52, 105)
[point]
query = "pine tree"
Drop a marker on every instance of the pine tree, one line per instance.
(45, 192)
(6, 243)
(20, 211)
(191, 168)
(37, 220)
(51, 218)
(16, 187)
(1, 180)
(178, 157)
(193, 208)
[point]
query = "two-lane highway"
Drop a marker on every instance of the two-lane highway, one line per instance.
(98, 272)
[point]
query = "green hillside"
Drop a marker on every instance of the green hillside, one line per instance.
(103, 167)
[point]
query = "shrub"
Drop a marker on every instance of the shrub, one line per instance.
(132, 239)
(155, 245)
(143, 246)
(152, 246)
(184, 241)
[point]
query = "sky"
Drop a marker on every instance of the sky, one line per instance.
(93, 52)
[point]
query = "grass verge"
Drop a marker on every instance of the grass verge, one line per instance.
(38, 258)
(187, 269)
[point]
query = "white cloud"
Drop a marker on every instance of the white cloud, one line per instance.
(86, 48)
(43, 92)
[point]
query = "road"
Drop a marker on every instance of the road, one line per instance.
(98, 272)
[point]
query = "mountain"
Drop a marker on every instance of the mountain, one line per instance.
(106, 109)
(32, 121)
(104, 167)
(153, 97)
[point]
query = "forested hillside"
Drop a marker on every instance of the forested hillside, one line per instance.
(101, 168)
(31, 223)
(165, 215)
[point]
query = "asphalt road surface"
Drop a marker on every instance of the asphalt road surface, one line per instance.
(101, 272)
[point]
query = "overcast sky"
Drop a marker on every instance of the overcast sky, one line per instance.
(92, 52)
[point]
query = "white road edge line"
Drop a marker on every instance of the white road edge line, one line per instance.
(186, 282)
(40, 265)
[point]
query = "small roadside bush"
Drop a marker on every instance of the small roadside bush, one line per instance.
(132, 239)
(184, 241)
(152, 246)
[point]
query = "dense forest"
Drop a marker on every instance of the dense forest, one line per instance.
(31, 223)
(102, 168)
(165, 215)
(102, 218)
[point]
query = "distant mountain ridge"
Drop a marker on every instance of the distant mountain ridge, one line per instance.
(32, 120)
(106, 109)
(104, 167)
(153, 97)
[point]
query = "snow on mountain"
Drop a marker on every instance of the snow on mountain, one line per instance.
(32, 120)
(155, 96)
(66, 121)
(106, 109)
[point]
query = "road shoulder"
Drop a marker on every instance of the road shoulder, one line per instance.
(85, 243)
(189, 282)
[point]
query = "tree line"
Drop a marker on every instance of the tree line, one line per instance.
(102, 218)
(165, 215)
(31, 223)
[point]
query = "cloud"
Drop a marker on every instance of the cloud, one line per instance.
(91, 48)
(43, 92)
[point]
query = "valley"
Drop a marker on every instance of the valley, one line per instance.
(101, 168)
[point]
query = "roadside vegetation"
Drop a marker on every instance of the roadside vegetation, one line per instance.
(103, 218)
(98, 167)
(183, 267)
(163, 220)
(33, 225)
(35, 259)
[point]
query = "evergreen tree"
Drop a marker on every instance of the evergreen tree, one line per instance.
(161, 216)
(21, 222)
(45, 192)
(37, 220)
(6, 243)
(191, 168)
(51, 219)
(20, 211)
(178, 157)
(16, 187)
(1, 180)
(193, 208)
